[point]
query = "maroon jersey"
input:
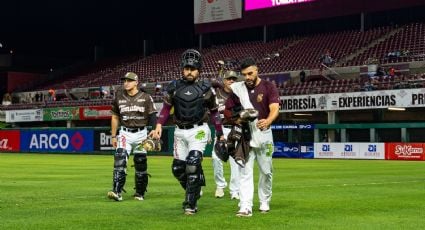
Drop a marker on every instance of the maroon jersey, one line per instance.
(261, 97)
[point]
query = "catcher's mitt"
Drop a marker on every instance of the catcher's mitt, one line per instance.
(220, 149)
(151, 145)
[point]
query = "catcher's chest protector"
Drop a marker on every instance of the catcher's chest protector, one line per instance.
(189, 102)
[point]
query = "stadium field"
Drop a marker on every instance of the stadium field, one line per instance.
(49, 191)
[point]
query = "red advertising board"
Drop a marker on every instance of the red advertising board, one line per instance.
(405, 151)
(95, 112)
(9, 140)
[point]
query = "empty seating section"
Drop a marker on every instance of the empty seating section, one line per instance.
(408, 44)
(276, 56)
(353, 85)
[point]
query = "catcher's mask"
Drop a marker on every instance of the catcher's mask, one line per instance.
(151, 145)
(191, 58)
(220, 149)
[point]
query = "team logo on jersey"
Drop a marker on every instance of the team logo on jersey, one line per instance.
(188, 93)
(200, 135)
(260, 97)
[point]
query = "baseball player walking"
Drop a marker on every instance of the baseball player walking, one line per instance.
(132, 110)
(222, 95)
(193, 99)
(262, 95)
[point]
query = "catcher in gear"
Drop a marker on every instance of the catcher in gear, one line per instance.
(132, 111)
(193, 101)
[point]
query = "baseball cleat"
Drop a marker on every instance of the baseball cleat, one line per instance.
(114, 196)
(244, 213)
(138, 197)
(219, 193)
(264, 207)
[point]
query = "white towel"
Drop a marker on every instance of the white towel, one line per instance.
(259, 137)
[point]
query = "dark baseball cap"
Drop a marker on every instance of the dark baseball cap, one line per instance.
(130, 76)
(230, 74)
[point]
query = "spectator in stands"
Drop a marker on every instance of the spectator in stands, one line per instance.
(380, 72)
(37, 97)
(52, 95)
(391, 71)
(7, 99)
(326, 59)
(302, 76)
(370, 84)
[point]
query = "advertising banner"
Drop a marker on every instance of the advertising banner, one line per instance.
(216, 10)
(95, 112)
(307, 150)
(61, 114)
(24, 115)
(379, 99)
(288, 150)
(293, 150)
(405, 151)
(261, 4)
(57, 140)
(102, 141)
(9, 140)
(292, 126)
(372, 151)
(349, 150)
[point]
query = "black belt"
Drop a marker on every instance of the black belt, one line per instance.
(190, 126)
(133, 130)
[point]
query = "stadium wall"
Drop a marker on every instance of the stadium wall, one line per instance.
(98, 141)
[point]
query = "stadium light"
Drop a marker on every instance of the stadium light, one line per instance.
(396, 109)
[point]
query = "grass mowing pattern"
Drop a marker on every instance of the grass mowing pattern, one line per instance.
(48, 191)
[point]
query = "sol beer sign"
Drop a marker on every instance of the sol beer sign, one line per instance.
(405, 151)
(9, 140)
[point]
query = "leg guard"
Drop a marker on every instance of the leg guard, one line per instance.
(141, 175)
(195, 178)
(119, 175)
(179, 172)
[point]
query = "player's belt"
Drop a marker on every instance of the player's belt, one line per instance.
(132, 130)
(190, 126)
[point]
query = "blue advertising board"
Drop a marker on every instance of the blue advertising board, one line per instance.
(57, 140)
(293, 150)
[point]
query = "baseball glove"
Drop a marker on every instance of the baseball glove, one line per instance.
(248, 115)
(220, 149)
(151, 145)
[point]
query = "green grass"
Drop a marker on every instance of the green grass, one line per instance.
(48, 191)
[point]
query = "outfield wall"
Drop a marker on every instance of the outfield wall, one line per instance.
(98, 141)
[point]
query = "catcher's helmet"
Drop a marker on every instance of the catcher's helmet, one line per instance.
(220, 149)
(191, 58)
